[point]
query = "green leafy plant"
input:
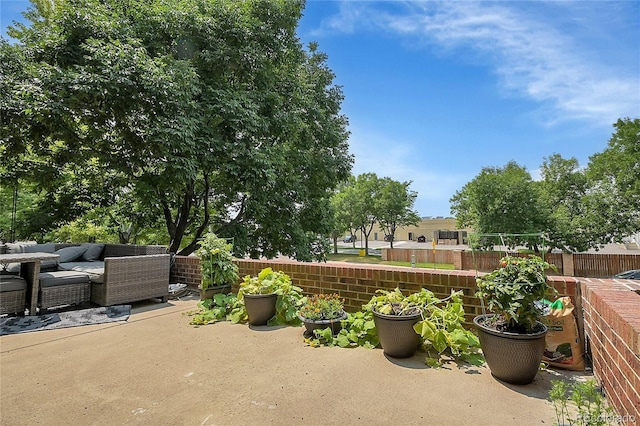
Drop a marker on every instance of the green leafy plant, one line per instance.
(268, 281)
(216, 262)
(511, 290)
(322, 307)
(219, 308)
(358, 330)
(579, 404)
(231, 307)
(440, 328)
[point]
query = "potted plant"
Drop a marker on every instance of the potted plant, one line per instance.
(512, 338)
(218, 270)
(270, 297)
(403, 323)
(322, 311)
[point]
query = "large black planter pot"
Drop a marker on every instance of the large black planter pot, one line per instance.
(511, 357)
(397, 336)
(260, 307)
(209, 292)
(335, 324)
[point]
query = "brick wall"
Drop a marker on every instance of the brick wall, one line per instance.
(612, 326)
(186, 270)
(357, 283)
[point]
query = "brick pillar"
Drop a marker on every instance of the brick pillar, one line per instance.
(567, 265)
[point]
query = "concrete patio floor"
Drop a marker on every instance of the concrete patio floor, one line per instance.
(156, 369)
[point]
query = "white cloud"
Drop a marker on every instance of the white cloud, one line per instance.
(532, 52)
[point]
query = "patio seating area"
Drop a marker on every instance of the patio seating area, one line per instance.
(156, 368)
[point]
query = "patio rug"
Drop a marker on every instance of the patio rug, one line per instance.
(101, 315)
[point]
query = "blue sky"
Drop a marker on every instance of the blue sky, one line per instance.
(435, 91)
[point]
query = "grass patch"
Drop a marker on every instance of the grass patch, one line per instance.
(354, 258)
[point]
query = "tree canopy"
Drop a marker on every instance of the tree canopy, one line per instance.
(576, 208)
(367, 199)
(205, 114)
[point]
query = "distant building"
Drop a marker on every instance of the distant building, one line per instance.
(444, 230)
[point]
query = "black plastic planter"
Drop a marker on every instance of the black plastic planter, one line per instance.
(511, 357)
(260, 307)
(397, 336)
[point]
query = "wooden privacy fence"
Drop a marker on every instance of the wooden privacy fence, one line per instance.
(594, 265)
(488, 261)
(422, 255)
(604, 265)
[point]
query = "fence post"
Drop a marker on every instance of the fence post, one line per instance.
(567, 265)
(457, 260)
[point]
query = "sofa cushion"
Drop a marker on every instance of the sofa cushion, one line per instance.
(52, 279)
(69, 254)
(10, 268)
(30, 247)
(93, 252)
(40, 248)
(19, 246)
(8, 283)
(95, 270)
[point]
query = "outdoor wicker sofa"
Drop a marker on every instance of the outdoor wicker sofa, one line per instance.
(113, 273)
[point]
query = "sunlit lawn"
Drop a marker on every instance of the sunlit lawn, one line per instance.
(354, 258)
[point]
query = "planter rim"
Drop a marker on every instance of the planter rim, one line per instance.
(397, 317)
(479, 322)
(257, 296)
(325, 321)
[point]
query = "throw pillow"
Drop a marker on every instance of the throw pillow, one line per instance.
(69, 254)
(94, 250)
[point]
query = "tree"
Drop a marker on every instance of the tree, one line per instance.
(500, 200)
(395, 206)
(563, 188)
(364, 195)
(343, 210)
(209, 114)
(613, 201)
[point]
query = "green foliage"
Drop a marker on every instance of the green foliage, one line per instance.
(441, 322)
(216, 261)
(499, 200)
(512, 289)
(322, 307)
(220, 308)
(197, 114)
(588, 406)
(395, 206)
(232, 308)
(614, 182)
(440, 328)
(563, 190)
(268, 281)
(358, 330)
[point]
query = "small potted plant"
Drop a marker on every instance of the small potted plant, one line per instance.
(218, 270)
(270, 297)
(403, 323)
(322, 311)
(512, 338)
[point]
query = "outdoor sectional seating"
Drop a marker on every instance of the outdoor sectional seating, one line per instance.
(105, 274)
(13, 292)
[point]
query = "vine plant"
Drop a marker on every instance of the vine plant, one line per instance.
(440, 328)
(231, 307)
